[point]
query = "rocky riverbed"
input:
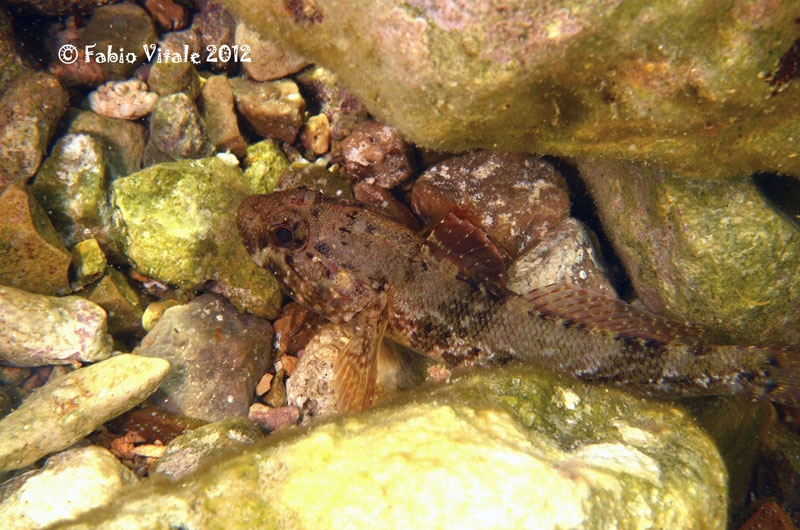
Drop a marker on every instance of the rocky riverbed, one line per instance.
(151, 372)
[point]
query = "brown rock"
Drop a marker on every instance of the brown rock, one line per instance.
(219, 117)
(273, 419)
(264, 384)
(516, 199)
(61, 7)
(294, 328)
(29, 111)
(273, 109)
(167, 78)
(32, 256)
(341, 107)
(126, 28)
(383, 202)
(276, 395)
(176, 131)
(268, 59)
(316, 134)
(217, 357)
(376, 154)
(768, 516)
(288, 363)
(217, 28)
(170, 15)
(566, 255)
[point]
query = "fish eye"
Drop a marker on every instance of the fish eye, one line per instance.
(288, 236)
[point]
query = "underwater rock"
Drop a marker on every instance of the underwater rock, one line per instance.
(310, 388)
(294, 327)
(516, 199)
(89, 262)
(219, 117)
(124, 140)
(768, 516)
(69, 484)
(375, 153)
(685, 86)
(188, 451)
(124, 28)
(779, 470)
(566, 255)
(170, 77)
(32, 255)
(170, 15)
(127, 100)
(273, 109)
(314, 177)
(122, 303)
(176, 131)
(713, 253)
(264, 163)
(267, 59)
(30, 108)
(72, 186)
(510, 448)
(10, 62)
(217, 357)
(65, 410)
(343, 110)
(381, 200)
(217, 28)
(61, 7)
(37, 330)
(316, 134)
(273, 418)
(176, 224)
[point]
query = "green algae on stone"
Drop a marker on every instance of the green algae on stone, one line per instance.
(89, 262)
(176, 224)
(32, 255)
(65, 410)
(124, 305)
(263, 165)
(508, 448)
(72, 186)
(713, 253)
(124, 139)
(685, 85)
(69, 484)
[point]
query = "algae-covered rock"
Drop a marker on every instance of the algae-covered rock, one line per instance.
(167, 78)
(121, 301)
(176, 224)
(124, 139)
(30, 108)
(264, 164)
(65, 410)
(508, 448)
(686, 85)
(89, 262)
(188, 451)
(714, 253)
(32, 255)
(69, 484)
(36, 330)
(72, 186)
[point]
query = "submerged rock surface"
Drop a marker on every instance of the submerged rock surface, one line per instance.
(497, 449)
(684, 85)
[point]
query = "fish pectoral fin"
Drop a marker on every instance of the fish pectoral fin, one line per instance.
(354, 374)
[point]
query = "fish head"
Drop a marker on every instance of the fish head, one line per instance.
(288, 232)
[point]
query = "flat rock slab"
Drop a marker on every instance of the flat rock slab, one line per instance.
(510, 448)
(65, 410)
(36, 330)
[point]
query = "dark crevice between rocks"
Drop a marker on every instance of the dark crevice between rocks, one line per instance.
(782, 192)
(583, 209)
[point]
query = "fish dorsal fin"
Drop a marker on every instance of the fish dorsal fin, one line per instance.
(460, 242)
(594, 309)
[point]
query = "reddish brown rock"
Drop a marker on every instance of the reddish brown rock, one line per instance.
(381, 200)
(268, 59)
(294, 328)
(170, 15)
(375, 153)
(217, 357)
(516, 199)
(219, 117)
(32, 256)
(273, 419)
(217, 28)
(768, 516)
(273, 109)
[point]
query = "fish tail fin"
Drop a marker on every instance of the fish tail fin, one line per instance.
(778, 376)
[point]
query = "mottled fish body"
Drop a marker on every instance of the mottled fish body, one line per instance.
(444, 297)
